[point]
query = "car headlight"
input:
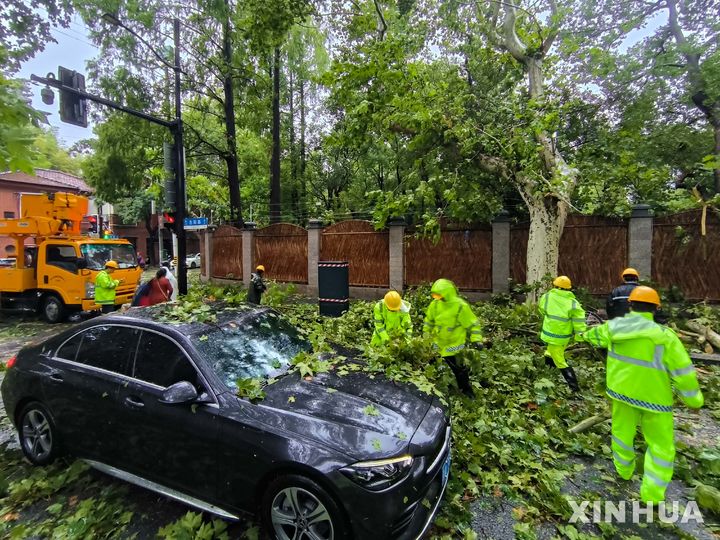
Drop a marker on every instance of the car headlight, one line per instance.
(89, 290)
(379, 474)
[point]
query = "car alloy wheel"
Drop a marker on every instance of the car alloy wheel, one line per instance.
(297, 514)
(37, 434)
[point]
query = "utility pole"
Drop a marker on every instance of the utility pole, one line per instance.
(180, 168)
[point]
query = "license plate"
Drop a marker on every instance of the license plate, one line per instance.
(446, 470)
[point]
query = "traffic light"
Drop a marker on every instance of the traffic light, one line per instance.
(92, 223)
(170, 162)
(73, 108)
(169, 218)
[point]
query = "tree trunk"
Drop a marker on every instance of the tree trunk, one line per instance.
(716, 172)
(231, 160)
(275, 161)
(295, 193)
(303, 158)
(547, 220)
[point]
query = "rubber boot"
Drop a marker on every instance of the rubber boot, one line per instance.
(571, 379)
(462, 376)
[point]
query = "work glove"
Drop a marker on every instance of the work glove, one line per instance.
(478, 346)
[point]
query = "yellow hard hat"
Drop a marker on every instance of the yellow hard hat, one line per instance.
(436, 296)
(112, 264)
(393, 301)
(562, 282)
(645, 294)
(630, 272)
(260, 268)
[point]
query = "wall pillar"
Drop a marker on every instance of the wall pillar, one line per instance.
(640, 234)
(248, 255)
(314, 231)
(397, 253)
(501, 253)
(208, 253)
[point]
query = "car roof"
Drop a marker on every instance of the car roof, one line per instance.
(164, 315)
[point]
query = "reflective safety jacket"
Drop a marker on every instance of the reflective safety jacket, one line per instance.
(563, 316)
(105, 288)
(390, 324)
(644, 360)
(617, 304)
(450, 320)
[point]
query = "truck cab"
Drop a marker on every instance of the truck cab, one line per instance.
(55, 274)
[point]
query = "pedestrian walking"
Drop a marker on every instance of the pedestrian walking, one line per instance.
(644, 361)
(617, 303)
(160, 289)
(257, 285)
(391, 319)
(105, 287)
(451, 323)
(563, 316)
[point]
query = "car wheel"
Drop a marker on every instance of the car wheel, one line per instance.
(297, 508)
(38, 436)
(53, 309)
(193, 266)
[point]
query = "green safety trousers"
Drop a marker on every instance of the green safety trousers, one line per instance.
(657, 429)
(557, 354)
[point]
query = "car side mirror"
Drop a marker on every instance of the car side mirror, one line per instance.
(180, 392)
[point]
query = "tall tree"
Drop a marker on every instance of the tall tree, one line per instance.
(275, 195)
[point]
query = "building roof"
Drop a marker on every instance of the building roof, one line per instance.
(46, 179)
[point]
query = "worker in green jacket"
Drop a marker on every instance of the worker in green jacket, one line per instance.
(105, 287)
(450, 322)
(644, 361)
(392, 319)
(563, 316)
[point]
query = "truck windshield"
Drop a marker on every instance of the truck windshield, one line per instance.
(97, 255)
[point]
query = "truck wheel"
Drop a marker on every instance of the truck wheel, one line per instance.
(53, 309)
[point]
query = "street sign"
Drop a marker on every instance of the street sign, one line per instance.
(195, 224)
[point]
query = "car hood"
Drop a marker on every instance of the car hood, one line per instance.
(363, 417)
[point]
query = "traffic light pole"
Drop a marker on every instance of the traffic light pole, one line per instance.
(179, 169)
(175, 126)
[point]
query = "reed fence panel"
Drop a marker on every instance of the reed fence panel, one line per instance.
(684, 257)
(465, 257)
(282, 249)
(593, 252)
(366, 249)
(227, 253)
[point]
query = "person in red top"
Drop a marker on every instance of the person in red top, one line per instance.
(160, 289)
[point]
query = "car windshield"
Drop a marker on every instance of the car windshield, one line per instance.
(257, 347)
(97, 255)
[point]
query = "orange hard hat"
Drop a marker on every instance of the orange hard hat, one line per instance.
(630, 272)
(645, 294)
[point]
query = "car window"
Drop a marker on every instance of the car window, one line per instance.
(69, 349)
(107, 347)
(160, 361)
(254, 347)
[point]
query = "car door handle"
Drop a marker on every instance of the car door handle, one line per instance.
(56, 377)
(134, 402)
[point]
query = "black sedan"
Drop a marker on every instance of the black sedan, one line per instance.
(333, 456)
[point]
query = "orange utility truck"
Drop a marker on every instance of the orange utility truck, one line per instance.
(53, 266)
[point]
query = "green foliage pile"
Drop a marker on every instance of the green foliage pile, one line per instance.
(512, 440)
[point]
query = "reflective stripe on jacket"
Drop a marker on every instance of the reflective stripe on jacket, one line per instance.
(390, 323)
(563, 316)
(644, 361)
(450, 321)
(105, 288)
(617, 304)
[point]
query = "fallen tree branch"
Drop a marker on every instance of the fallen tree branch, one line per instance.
(709, 334)
(588, 423)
